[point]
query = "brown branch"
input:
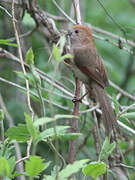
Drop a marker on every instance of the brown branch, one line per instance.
(114, 36)
(77, 11)
(24, 71)
(74, 124)
(6, 11)
(21, 60)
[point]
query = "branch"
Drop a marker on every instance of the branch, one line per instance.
(74, 124)
(21, 60)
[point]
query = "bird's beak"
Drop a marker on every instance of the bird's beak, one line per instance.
(69, 33)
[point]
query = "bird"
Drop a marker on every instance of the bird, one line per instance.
(89, 68)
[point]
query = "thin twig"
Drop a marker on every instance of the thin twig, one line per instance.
(77, 11)
(124, 166)
(122, 91)
(114, 36)
(6, 11)
(132, 131)
(113, 43)
(126, 109)
(63, 12)
(74, 123)
(24, 71)
(22, 63)
(23, 35)
(34, 94)
(98, 30)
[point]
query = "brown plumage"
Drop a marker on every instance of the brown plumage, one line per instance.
(89, 68)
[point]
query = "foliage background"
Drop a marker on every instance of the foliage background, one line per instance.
(120, 66)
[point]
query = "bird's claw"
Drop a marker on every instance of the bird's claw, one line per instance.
(76, 99)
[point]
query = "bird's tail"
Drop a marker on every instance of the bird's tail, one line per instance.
(99, 95)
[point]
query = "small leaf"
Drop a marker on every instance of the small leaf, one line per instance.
(56, 52)
(29, 57)
(107, 149)
(66, 56)
(47, 177)
(6, 42)
(42, 121)
(116, 105)
(63, 116)
(4, 167)
(21, 74)
(62, 43)
(69, 136)
(28, 76)
(19, 133)
(28, 20)
(32, 130)
(50, 132)
(95, 169)
(36, 75)
(1, 114)
(34, 166)
(15, 174)
(11, 162)
(72, 168)
(128, 115)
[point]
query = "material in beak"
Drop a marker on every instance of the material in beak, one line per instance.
(69, 33)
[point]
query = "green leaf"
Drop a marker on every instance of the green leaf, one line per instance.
(95, 169)
(72, 168)
(28, 20)
(11, 162)
(19, 133)
(69, 136)
(66, 56)
(6, 42)
(28, 76)
(42, 121)
(62, 43)
(15, 174)
(30, 126)
(116, 105)
(56, 52)
(63, 116)
(34, 166)
(45, 120)
(36, 75)
(47, 177)
(1, 114)
(50, 132)
(21, 74)
(4, 167)
(107, 149)
(128, 115)
(29, 57)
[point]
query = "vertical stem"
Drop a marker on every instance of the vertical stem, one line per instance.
(74, 125)
(52, 114)
(77, 11)
(2, 131)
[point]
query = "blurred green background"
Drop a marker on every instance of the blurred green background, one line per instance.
(120, 64)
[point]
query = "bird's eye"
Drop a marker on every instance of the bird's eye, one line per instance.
(76, 31)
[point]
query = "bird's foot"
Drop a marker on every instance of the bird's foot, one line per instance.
(76, 99)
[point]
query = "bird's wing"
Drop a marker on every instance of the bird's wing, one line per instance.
(91, 64)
